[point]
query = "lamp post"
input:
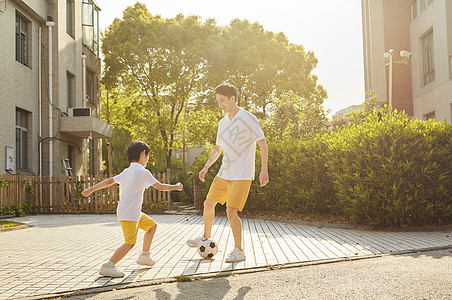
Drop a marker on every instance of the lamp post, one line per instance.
(388, 56)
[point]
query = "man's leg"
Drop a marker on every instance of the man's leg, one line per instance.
(209, 216)
(236, 226)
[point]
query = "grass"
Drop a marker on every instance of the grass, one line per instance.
(6, 224)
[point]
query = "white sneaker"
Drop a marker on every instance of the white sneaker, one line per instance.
(235, 256)
(145, 260)
(194, 242)
(109, 270)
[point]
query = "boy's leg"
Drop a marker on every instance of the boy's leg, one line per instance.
(121, 252)
(148, 236)
(148, 225)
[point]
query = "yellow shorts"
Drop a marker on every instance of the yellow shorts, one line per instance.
(130, 228)
(233, 192)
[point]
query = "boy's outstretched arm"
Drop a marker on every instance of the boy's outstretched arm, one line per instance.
(99, 186)
(168, 187)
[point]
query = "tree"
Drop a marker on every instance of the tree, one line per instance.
(293, 117)
(263, 65)
(161, 63)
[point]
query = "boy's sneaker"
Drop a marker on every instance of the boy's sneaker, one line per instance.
(194, 242)
(235, 256)
(145, 260)
(110, 270)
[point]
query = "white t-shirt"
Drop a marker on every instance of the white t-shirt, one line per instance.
(238, 138)
(132, 183)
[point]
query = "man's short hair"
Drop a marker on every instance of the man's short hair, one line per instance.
(135, 149)
(227, 90)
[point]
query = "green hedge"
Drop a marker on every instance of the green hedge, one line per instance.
(386, 171)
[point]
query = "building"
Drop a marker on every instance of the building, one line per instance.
(422, 81)
(345, 111)
(49, 87)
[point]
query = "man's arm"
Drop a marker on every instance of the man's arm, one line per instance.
(100, 185)
(212, 158)
(263, 177)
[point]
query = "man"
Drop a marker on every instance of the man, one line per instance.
(238, 132)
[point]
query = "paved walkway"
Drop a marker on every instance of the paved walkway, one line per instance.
(62, 253)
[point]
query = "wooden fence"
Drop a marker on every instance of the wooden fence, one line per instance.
(62, 194)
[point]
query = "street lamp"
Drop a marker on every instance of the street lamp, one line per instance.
(388, 56)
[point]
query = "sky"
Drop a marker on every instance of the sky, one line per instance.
(332, 29)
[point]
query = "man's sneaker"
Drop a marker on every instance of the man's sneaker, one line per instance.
(235, 256)
(110, 270)
(145, 260)
(194, 242)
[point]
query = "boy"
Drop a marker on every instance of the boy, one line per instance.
(132, 183)
(238, 132)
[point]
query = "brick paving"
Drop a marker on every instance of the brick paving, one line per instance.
(62, 253)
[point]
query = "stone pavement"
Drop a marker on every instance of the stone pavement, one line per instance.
(62, 253)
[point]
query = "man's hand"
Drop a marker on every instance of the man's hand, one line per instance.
(86, 192)
(179, 186)
(263, 178)
(202, 174)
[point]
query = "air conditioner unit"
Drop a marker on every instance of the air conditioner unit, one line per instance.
(80, 112)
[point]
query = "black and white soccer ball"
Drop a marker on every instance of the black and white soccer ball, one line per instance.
(207, 248)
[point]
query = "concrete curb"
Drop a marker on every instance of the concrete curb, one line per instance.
(146, 283)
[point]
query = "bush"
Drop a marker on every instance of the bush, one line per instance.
(391, 171)
(385, 170)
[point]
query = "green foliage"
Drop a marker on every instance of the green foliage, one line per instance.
(385, 170)
(293, 117)
(391, 171)
(299, 182)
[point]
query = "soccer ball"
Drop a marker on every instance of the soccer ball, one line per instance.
(207, 248)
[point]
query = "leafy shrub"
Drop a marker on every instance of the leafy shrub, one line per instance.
(392, 171)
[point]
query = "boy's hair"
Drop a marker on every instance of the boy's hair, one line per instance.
(227, 90)
(135, 149)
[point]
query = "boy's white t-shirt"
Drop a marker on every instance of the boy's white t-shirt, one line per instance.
(238, 138)
(132, 183)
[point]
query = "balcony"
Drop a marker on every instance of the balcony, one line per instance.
(85, 126)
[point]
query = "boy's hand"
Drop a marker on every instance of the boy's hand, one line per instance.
(202, 174)
(179, 186)
(86, 193)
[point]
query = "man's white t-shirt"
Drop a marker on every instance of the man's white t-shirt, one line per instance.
(238, 138)
(132, 183)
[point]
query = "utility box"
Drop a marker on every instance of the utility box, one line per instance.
(9, 158)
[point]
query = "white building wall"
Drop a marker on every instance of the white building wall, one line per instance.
(437, 95)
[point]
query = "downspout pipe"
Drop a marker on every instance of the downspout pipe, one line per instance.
(50, 25)
(85, 159)
(40, 98)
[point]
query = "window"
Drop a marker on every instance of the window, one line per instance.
(70, 17)
(21, 140)
(428, 58)
(22, 39)
(90, 23)
(418, 6)
(90, 87)
(70, 79)
(430, 116)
